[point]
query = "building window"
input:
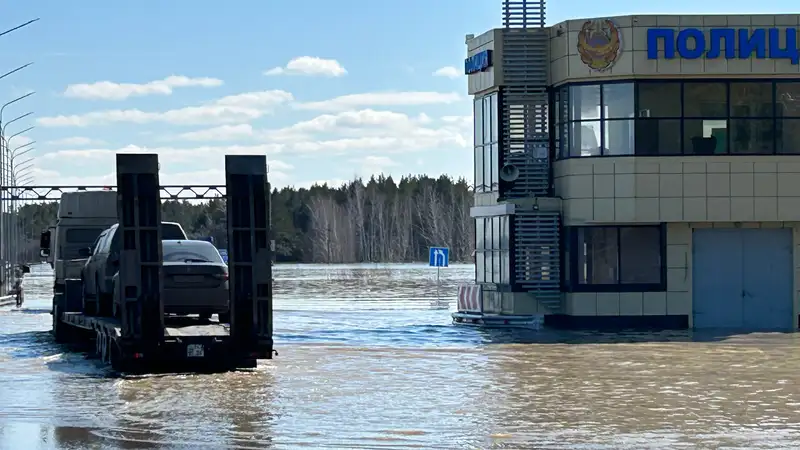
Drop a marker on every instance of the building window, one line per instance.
(694, 117)
(487, 133)
(616, 259)
(492, 258)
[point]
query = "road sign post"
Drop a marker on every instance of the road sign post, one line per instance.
(438, 257)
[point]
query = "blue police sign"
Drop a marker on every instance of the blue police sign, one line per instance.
(224, 254)
(741, 43)
(478, 62)
(439, 257)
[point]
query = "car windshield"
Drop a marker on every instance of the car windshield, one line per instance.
(77, 239)
(172, 231)
(175, 252)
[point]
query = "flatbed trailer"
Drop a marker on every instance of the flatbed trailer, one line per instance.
(188, 345)
(144, 339)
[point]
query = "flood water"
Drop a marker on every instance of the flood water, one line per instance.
(365, 362)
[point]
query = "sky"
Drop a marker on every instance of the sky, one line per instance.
(328, 90)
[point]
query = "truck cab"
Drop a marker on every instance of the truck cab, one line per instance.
(82, 216)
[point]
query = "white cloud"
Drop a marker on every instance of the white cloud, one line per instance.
(460, 121)
(171, 158)
(374, 165)
(309, 65)
(109, 90)
(230, 109)
(211, 177)
(349, 131)
(220, 133)
(351, 101)
(77, 141)
(447, 71)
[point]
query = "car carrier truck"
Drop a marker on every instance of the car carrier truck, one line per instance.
(142, 339)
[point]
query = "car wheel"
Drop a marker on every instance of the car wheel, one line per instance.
(224, 317)
(205, 316)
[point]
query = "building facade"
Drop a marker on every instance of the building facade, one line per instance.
(638, 171)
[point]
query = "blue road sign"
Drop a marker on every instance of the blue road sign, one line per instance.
(439, 257)
(224, 254)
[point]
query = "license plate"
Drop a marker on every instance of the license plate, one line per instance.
(188, 278)
(195, 351)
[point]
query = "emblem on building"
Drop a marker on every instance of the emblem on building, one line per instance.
(599, 44)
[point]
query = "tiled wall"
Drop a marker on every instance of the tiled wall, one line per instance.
(491, 77)
(566, 64)
(679, 189)
(678, 298)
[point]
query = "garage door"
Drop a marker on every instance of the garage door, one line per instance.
(742, 279)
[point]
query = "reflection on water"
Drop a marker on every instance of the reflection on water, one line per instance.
(366, 363)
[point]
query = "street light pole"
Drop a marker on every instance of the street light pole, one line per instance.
(22, 97)
(3, 130)
(19, 26)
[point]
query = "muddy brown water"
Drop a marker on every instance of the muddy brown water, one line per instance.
(366, 363)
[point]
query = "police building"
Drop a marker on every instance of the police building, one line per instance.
(636, 171)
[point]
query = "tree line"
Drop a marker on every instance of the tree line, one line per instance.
(379, 220)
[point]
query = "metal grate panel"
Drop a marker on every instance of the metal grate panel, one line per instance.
(523, 13)
(524, 114)
(537, 255)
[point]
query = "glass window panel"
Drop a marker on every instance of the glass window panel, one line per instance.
(618, 100)
(478, 123)
(705, 100)
(564, 114)
(496, 234)
(597, 255)
(495, 166)
(556, 133)
(496, 275)
(479, 169)
(480, 242)
(640, 255)
(584, 102)
(504, 232)
(487, 267)
(480, 267)
(566, 260)
(558, 109)
(751, 136)
(705, 137)
(751, 99)
(618, 137)
(659, 99)
(787, 133)
(487, 119)
(585, 138)
(787, 99)
(563, 139)
(495, 112)
(658, 136)
(505, 268)
(487, 169)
